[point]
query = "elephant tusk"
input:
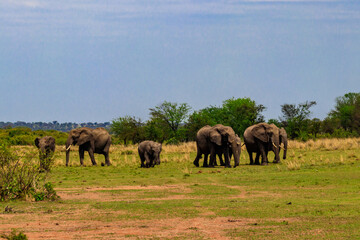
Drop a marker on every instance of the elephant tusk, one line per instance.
(68, 148)
(274, 145)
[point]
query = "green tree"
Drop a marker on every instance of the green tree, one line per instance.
(296, 119)
(347, 111)
(241, 113)
(170, 116)
(238, 113)
(128, 128)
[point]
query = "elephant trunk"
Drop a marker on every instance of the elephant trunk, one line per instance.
(276, 149)
(236, 152)
(285, 148)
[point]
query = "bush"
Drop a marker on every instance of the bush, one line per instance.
(14, 235)
(20, 178)
(48, 193)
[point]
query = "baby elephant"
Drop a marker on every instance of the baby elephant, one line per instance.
(46, 146)
(149, 152)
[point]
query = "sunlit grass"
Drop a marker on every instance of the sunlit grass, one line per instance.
(300, 154)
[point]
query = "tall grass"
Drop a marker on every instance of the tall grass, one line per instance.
(300, 154)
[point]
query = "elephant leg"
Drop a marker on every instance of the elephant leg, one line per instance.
(205, 164)
(257, 158)
(227, 159)
(196, 161)
(221, 160)
(263, 152)
(147, 160)
(107, 160)
(142, 159)
(91, 154)
(106, 154)
(81, 155)
(212, 157)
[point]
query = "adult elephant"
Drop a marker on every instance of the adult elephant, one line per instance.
(149, 152)
(46, 146)
(214, 140)
(91, 140)
(260, 138)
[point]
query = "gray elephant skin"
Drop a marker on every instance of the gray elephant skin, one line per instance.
(218, 139)
(91, 140)
(220, 154)
(259, 139)
(46, 146)
(283, 139)
(149, 152)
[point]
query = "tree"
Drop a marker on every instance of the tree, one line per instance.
(128, 128)
(347, 111)
(171, 116)
(241, 113)
(296, 119)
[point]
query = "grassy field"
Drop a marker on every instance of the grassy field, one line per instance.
(315, 193)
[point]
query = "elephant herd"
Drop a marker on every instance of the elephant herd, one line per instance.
(218, 140)
(221, 140)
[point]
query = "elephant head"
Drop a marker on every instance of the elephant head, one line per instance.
(155, 150)
(283, 139)
(46, 146)
(268, 134)
(225, 137)
(78, 137)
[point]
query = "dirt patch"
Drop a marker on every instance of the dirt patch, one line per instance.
(81, 222)
(46, 227)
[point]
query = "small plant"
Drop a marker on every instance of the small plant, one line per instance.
(18, 176)
(292, 165)
(47, 194)
(14, 235)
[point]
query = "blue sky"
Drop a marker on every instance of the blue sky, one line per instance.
(93, 61)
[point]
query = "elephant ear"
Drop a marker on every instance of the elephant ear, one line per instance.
(85, 136)
(259, 131)
(37, 142)
(215, 137)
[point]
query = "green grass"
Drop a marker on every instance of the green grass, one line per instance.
(318, 199)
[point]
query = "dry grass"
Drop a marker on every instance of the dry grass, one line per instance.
(326, 144)
(319, 152)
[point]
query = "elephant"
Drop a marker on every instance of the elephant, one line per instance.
(238, 143)
(260, 138)
(46, 146)
(149, 152)
(218, 139)
(96, 140)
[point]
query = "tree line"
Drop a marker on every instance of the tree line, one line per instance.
(173, 122)
(176, 122)
(63, 127)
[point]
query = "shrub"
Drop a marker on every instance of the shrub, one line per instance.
(14, 235)
(48, 193)
(20, 178)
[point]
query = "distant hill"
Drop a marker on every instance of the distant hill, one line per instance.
(64, 127)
